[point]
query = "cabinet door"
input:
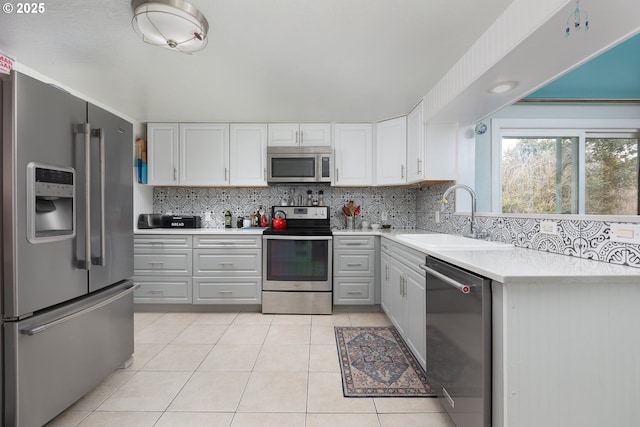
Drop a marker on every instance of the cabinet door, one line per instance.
(162, 153)
(391, 151)
(415, 145)
(283, 134)
(248, 155)
(204, 154)
(396, 296)
(315, 134)
(416, 307)
(440, 151)
(353, 154)
(385, 286)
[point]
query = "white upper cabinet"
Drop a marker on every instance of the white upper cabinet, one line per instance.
(299, 134)
(431, 148)
(188, 154)
(440, 151)
(415, 145)
(353, 154)
(162, 153)
(204, 154)
(391, 151)
(248, 155)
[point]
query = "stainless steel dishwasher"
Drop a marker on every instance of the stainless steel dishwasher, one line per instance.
(459, 341)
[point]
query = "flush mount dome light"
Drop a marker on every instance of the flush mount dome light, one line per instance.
(502, 87)
(172, 24)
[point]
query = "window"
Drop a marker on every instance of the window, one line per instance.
(611, 173)
(568, 171)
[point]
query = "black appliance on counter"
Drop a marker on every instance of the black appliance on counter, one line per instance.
(297, 262)
(147, 221)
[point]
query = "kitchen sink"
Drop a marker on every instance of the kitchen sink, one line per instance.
(450, 242)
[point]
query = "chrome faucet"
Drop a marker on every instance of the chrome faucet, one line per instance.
(444, 201)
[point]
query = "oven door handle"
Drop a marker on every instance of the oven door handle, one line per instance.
(465, 289)
(291, 237)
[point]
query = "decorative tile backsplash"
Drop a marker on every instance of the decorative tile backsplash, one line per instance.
(395, 206)
(575, 237)
(403, 208)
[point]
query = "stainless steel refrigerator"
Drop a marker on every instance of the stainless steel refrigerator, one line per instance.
(67, 248)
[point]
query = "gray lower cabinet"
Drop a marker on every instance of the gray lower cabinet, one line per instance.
(354, 270)
(227, 269)
(163, 267)
(195, 269)
(404, 294)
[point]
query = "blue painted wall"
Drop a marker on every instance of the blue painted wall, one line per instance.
(614, 74)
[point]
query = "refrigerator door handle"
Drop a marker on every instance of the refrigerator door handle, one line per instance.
(85, 129)
(41, 328)
(101, 259)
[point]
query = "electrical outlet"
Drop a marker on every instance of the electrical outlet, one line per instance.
(437, 217)
(383, 216)
(548, 227)
(625, 233)
(207, 216)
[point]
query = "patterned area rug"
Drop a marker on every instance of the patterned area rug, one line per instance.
(376, 362)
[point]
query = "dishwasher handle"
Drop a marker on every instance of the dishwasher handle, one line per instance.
(465, 289)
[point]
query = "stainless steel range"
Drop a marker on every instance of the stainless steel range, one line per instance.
(297, 262)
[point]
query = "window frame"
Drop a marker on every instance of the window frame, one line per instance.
(546, 128)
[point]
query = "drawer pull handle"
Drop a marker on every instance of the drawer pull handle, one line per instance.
(354, 293)
(156, 263)
(155, 292)
(226, 264)
(353, 243)
(354, 265)
(225, 292)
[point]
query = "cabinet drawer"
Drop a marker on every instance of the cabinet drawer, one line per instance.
(208, 262)
(227, 242)
(357, 290)
(207, 290)
(353, 263)
(152, 262)
(354, 242)
(163, 290)
(162, 241)
(404, 254)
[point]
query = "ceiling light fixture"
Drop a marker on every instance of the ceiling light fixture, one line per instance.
(502, 87)
(172, 24)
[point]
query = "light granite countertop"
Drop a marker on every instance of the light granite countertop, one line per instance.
(509, 266)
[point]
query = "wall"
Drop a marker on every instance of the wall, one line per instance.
(583, 238)
(398, 204)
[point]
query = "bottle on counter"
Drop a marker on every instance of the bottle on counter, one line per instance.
(309, 198)
(227, 219)
(321, 198)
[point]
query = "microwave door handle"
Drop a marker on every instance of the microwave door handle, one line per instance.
(101, 259)
(85, 129)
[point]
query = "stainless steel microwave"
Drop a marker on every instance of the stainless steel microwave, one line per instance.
(299, 164)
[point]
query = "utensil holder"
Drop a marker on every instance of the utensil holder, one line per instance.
(350, 223)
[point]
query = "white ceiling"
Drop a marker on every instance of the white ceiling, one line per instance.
(267, 60)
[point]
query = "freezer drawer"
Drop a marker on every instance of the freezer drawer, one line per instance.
(53, 359)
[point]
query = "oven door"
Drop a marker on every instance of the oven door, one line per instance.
(297, 263)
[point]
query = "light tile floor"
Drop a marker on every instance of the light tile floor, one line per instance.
(241, 370)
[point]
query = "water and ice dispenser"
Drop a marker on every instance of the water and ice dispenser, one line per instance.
(50, 203)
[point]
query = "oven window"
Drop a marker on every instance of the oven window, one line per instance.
(293, 167)
(297, 260)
